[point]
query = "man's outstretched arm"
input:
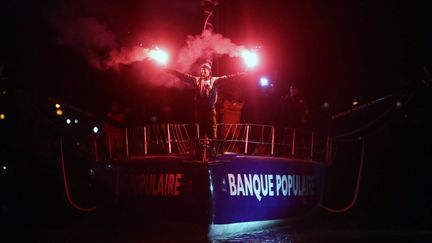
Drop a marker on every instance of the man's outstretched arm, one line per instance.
(232, 75)
(182, 76)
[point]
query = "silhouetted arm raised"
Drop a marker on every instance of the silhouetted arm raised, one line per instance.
(231, 75)
(182, 76)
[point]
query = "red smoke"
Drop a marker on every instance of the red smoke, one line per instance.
(92, 38)
(103, 52)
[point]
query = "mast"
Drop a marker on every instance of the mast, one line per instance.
(208, 24)
(208, 11)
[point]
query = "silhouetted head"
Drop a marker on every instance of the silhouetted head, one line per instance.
(205, 70)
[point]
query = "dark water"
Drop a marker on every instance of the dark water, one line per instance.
(322, 228)
(100, 234)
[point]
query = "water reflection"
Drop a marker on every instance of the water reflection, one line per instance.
(122, 229)
(275, 235)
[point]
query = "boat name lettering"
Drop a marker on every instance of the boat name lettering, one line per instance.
(158, 184)
(263, 185)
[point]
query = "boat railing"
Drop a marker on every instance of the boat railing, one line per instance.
(267, 140)
(161, 139)
(245, 138)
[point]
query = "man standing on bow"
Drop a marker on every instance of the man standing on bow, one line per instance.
(205, 97)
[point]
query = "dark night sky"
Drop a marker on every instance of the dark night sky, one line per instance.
(333, 51)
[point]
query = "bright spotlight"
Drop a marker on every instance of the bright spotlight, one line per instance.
(264, 82)
(250, 58)
(68, 121)
(95, 129)
(159, 55)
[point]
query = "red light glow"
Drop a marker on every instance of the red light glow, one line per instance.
(250, 58)
(159, 55)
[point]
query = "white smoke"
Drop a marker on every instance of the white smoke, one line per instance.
(205, 47)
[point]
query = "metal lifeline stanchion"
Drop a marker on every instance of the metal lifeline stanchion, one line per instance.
(197, 130)
(145, 140)
(127, 142)
(293, 144)
(272, 140)
(169, 138)
(312, 146)
(175, 139)
(247, 138)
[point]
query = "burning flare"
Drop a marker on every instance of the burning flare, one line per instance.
(250, 58)
(159, 55)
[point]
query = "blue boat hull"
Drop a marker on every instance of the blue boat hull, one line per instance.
(246, 188)
(232, 192)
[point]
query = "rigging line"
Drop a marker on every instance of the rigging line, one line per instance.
(209, 6)
(72, 107)
(184, 137)
(228, 135)
(38, 110)
(360, 107)
(231, 133)
(365, 126)
(409, 97)
(173, 137)
(178, 138)
(376, 130)
(226, 131)
(210, 13)
(238, 136)
(232, 128)
(380, 128)
(68, 196)
(357, 187)
(189, 140)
